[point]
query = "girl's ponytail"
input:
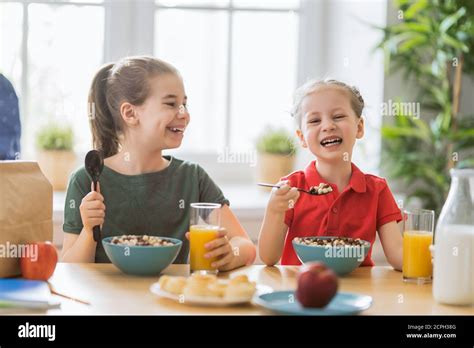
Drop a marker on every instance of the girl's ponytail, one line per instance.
(103, 125)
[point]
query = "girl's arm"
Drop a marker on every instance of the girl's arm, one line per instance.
(78, 248)
(273, 231)
(243, 248)
(272, 237)
(392, 244)
(233, 247)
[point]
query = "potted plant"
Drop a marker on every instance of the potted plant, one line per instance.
(275, 155)
(55, 155)
(433, 45)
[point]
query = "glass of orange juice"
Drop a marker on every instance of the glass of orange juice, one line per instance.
(204, 227)
(417, 238)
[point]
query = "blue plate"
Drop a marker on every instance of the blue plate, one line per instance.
(285, 302)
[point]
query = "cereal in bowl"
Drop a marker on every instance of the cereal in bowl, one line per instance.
(333, 242)
(132, 240)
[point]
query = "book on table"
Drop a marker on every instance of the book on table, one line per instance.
(26, 294)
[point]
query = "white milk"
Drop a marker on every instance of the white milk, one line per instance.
(453, 273)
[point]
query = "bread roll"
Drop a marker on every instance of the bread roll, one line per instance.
(217, 289)
(163, 280)
(198, 285)
(240, 291)
(239, 280)
(203, 278)
(174, 285)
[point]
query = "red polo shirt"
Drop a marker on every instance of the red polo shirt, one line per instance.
(358, 212)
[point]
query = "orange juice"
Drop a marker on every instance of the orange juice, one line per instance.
(199, 236)
(416, 254)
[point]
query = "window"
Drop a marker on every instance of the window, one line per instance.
(264, 73)
(196, 43)
(60, 46)
(238, 59)
(241, 61)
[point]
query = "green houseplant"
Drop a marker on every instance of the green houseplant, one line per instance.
(52, 137)
(275, 155)
(433, 46)
(55, 154)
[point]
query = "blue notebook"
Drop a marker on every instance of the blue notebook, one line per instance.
(27, 294)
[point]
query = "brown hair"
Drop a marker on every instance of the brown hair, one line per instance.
(125, 81)
(357, 102)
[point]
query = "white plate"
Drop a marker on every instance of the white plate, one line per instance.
(207, 301)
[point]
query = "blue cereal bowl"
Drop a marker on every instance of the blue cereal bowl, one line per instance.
(142, 260)
(341, 259)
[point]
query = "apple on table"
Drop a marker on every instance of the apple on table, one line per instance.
(317, 285)
(41, 264)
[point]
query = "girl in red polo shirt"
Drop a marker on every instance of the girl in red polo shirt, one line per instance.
(328, 114)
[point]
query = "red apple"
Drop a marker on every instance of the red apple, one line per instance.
(40, 262)
(317, 285)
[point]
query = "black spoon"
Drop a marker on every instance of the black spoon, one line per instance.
(94, 164)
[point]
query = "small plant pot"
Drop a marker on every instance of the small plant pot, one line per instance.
(271, 167)
(57, 167)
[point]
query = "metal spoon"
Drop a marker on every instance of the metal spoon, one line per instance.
(94, 164)
(312, 191)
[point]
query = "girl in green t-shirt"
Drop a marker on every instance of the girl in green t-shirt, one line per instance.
(137, 110)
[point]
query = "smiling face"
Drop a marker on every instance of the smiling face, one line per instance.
(329, 126)
(159, 123)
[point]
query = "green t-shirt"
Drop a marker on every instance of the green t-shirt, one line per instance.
(156, 204)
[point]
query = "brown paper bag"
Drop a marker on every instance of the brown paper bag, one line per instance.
(26, 208)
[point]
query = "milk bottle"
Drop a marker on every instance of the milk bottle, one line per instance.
(453, 272)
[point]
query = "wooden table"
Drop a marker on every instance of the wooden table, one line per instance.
(110, 291)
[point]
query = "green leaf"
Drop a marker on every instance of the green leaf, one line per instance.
(395, 132)
(450, 41)
(430, 173)
(276, 141)
(400, 3)
(423, 128)
(446, 119)
(415, 8)
(450, 20)
(462, 36)
(440, 96)
(462, 134)
(409, 44)
(415, 27)
(395, 40)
